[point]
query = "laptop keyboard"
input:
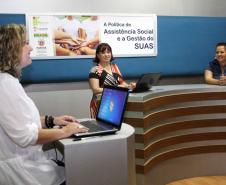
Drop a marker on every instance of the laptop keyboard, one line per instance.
(92, 126)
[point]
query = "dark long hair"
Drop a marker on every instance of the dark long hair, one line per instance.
(100, 49)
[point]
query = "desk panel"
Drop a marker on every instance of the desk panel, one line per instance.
(175, 125)
(101, 160)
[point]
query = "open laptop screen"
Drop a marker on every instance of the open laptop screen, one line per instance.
(112, 105)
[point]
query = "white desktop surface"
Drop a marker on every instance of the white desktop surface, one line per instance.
(172, 89)
(126, 130)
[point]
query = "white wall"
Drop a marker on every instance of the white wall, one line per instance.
(71, 98)
(70, 102)
(159, 7)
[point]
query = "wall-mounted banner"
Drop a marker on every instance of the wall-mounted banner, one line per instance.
(74, 35)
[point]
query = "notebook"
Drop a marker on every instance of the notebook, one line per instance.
(145, 82)
(110, 113)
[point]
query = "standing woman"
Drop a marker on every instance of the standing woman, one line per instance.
(104, 73)
(216, 72)
(22, 130)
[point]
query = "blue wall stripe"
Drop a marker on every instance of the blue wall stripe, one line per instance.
(185, 46)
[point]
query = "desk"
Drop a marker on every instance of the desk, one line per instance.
(103, 160)
(180, 132)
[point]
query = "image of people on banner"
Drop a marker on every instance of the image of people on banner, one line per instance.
(75, 35)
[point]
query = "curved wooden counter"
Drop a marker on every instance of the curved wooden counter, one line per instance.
(177, 125)
(208, 180)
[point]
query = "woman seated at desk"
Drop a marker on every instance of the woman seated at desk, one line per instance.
(22, 131)
(216, 74)
(104, 73)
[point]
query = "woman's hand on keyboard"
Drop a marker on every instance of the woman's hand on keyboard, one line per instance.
(64, 120)
(73, 127)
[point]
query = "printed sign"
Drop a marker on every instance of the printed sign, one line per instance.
(78, 35)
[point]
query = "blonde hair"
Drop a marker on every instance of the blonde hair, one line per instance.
(12, 40)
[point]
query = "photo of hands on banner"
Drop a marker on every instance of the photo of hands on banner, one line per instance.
(79, 35)
(75, 35)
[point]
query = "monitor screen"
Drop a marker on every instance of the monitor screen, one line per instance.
(112, 105)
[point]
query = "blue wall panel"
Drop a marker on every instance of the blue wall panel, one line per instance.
(12, 18)
(185, 46)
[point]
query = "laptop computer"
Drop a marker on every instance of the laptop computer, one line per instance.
(145, 82)
(110, 113)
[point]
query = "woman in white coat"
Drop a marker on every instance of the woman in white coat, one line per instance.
(22, 130)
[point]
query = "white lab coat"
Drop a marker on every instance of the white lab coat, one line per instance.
(22, 161)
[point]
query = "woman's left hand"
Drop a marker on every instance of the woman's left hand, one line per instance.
(64, 120)
(132, 85)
